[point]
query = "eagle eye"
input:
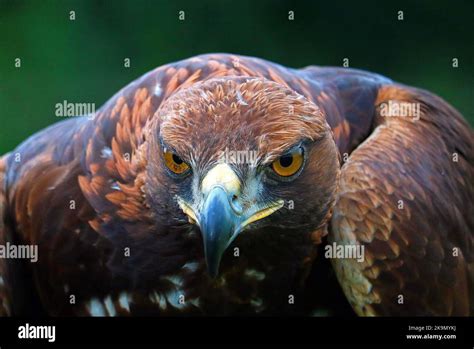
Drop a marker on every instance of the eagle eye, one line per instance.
(289, 164)
(174, 163)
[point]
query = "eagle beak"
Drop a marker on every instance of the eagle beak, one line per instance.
(218, 222)
(221, 217)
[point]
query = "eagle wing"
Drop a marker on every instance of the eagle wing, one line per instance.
(406, 195)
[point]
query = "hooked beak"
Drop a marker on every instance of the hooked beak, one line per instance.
(219, 222)
(221, 218)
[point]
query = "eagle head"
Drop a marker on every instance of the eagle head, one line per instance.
(241, 157)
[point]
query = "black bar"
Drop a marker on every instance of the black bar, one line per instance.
(381, 332)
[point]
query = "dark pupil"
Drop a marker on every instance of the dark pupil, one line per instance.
(286, 160)
(177, 159)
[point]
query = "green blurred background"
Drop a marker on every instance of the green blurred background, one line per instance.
(82, 60)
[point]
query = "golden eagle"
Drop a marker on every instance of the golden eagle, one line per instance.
(210, 185)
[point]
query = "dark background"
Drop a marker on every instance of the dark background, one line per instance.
(82, 60)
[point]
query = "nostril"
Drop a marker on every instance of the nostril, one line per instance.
(236, 205)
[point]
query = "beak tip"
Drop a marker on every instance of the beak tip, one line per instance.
(213, 274)
(213, 268)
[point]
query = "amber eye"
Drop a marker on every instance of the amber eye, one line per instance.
(288, 164)
(175, 163)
